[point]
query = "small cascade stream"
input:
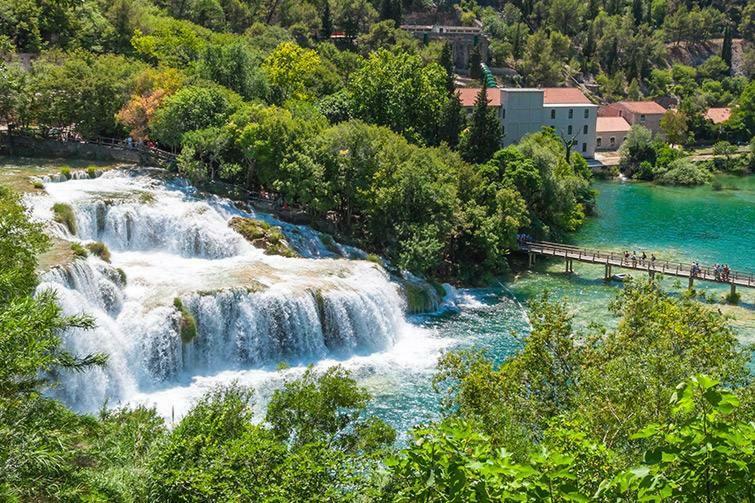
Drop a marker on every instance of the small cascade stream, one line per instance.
(170, 246)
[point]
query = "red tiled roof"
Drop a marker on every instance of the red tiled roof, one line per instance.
(468, 95)
(642, 107)
(612, 125)
(718, 115)
(564, 96)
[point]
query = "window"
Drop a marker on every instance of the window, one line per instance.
(624, 139)
(503, 113)
(569, 130)
(584, 129)
(503, 131)
(553, 113)
(584, 147)
(612, 140)
(587, 113)
(599, 141)
(642, 118)
(571, 113)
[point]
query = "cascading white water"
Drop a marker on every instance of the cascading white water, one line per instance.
(251, 310)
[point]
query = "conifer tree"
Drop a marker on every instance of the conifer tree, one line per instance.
(483, 136)
(326, 24)
(446, 61)
(726, 47)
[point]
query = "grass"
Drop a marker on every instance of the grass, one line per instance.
(146, 197)
(121, 275)
(188, 324)
(375, 259)
(66, 172)
(63, 213)
(99, 249)
(92, 171)
(79, 251)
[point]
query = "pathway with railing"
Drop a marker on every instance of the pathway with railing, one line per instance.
(619, 259)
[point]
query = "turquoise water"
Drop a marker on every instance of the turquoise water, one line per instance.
(683, 224)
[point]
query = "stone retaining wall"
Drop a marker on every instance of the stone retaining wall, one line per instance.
(36, 147)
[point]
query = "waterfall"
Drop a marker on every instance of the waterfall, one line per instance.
(251, 310)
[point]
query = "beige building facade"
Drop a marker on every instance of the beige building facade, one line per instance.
(610, 133)
(526, 110)
(645, 113)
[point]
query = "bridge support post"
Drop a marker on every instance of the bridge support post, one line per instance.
(691, 282)
(608, 272)
(733, 293)
(571, 265)
(532, 259)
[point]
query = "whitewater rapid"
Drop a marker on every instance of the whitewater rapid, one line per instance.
(253, 311)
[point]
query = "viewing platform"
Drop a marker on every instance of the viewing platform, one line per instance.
(618, 259)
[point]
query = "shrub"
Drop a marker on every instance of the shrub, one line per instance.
(188, 325)
(121, 276)
(79, 251)
(92, 172)
(63, 213)
(684, 172)
(66, 172)
(100, 250)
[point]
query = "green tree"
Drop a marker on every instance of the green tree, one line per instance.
(235, 67)
(189, 109)
(674, 127)
(705, 454)
(399, 91)
(291, 72)
(326, 21)
(483, 136)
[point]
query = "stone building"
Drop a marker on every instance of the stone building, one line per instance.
(611, 132)
(463, 40)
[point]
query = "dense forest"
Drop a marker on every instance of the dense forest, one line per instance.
(363, 130)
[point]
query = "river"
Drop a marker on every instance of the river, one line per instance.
(255, 311)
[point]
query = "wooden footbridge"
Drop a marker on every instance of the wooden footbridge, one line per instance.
(620, 260)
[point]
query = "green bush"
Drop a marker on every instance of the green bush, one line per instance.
(684, 172)
(92, 171)
(99, 249)
(188, 324)
(66, 172)
(79, 251)
(63, 213)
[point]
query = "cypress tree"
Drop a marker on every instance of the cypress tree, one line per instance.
(475, 60)
(446, 61)
(483, 137)
(453, 118)
(391, 9)
(326, 23)
(637, 11)
(726, 46)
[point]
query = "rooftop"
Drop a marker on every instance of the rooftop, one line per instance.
(642, 107)
(718, 115)
(551, 95)
(468, 95)
(612, 125)
(564, 96)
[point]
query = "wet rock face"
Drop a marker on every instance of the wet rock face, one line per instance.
(263, 236)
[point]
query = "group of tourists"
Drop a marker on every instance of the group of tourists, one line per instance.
(721, 272)
(642, 259)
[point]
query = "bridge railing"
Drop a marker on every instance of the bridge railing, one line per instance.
(617, 258)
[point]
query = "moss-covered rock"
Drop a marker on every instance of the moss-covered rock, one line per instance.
(99, 249)
(187, 326)
(79, 251)
(263, 235)
(63, 213)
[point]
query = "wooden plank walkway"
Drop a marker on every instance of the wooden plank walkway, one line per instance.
(617, 259)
